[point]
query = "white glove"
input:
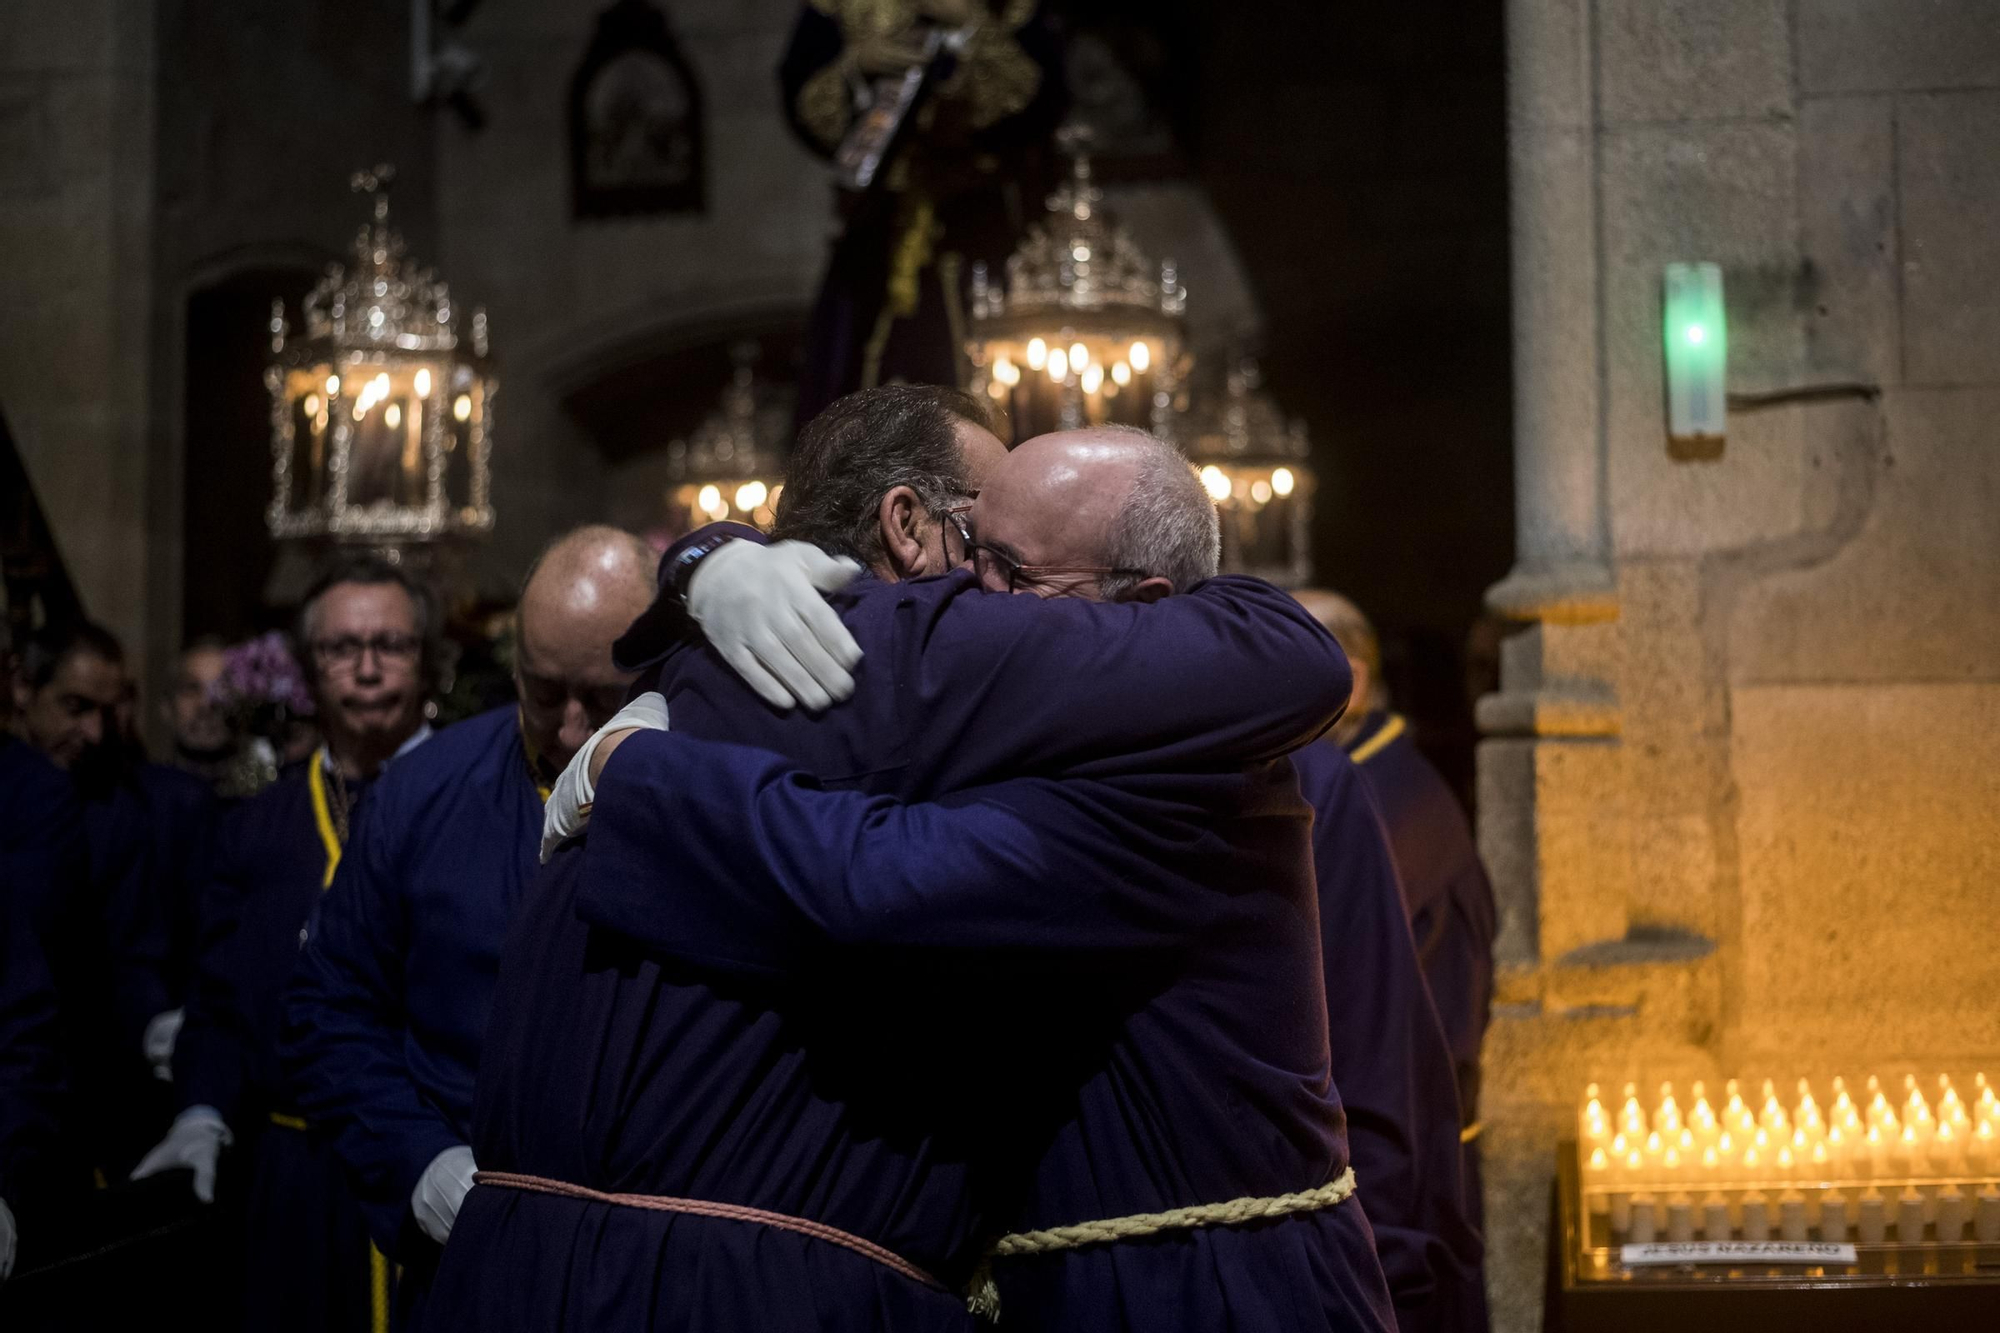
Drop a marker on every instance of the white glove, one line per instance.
(440, 1191)
(568, 808)
(196, 1142)
(158, 1043)
(7, 1240)
(761, 608)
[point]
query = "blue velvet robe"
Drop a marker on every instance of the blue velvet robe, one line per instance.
(42, 863)
(1390, 1058)
(129, 950)
(307, 1260)
(386, 1012)
(915, 1109)
(1451, 905)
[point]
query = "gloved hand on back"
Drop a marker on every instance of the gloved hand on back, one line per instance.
(568, 808)
(763, 609)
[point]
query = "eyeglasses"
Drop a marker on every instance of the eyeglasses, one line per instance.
(955, 522)
(345, 653)
(995, 567)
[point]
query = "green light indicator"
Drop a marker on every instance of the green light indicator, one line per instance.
(1695, 338)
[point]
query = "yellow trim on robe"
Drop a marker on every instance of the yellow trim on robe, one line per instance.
(1368, 749)
(378, 1290)
(283, 1121)
(323, 814)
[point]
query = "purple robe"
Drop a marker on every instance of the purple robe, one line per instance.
(641, 1042)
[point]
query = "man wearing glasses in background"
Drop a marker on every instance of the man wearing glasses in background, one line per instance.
(365, 635)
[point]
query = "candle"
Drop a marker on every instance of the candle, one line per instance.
(1756, 1217)
(1833, 1216)
(1947, 1150)
(1667, 1116)
(1986, 1216)
(1631, 1117)
(1807, 1111)
(1792, 1216)
(1953, 1210)
(1645, 1224)
(1680, 1218)
(1979, 1150)
(1735, 1114)
(1876, 1152)
(1908, 1151)
(1715, 1217)
(1871, 1222)
(1843, 1105)
(1909, 1216)
(1702, 1118)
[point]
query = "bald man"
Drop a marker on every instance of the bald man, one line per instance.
(1449, 897)
(386, 1010)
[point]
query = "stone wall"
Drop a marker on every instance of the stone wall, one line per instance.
(76, 115)
(572, 301)
(1739, 790)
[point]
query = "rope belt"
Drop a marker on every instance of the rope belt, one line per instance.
(662, 1203)
(984, 1298)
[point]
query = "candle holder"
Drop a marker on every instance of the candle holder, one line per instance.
(381, 413)
(1887, 1166)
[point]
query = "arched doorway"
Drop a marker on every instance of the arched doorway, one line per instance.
(227, 552)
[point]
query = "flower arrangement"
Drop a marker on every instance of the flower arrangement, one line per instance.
(263, 694)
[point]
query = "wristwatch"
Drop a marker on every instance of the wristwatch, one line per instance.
(684, 564)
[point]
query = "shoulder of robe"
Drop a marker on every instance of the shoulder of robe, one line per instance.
(480, 748)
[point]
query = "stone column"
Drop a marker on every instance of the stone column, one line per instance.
(1560, 570)
(1550, 768)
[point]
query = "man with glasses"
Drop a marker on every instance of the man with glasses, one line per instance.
(364, 634)
(386, 1011)
(757, 1132)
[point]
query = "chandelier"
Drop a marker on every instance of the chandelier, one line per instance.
(1255, 466)
(1087, 332)
(381, 415)
(731, 465)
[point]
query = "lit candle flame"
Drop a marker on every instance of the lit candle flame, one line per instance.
(1038, 353)
(1140, 355)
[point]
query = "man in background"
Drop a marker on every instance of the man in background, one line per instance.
(386, 1011)
(113, 956)
(42, 866)
(1450, 899)
(366, 635)
(203, 743)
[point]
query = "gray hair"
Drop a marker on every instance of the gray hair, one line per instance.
(1168, 528)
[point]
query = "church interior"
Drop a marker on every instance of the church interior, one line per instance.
(1633, 365)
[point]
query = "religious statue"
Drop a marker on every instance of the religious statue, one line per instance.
(938, 114)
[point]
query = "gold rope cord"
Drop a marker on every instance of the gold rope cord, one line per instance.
(983, 1297)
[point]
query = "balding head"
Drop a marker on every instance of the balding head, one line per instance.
(1106, 498)
(580, 595)
(1350, 628)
